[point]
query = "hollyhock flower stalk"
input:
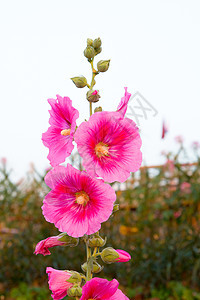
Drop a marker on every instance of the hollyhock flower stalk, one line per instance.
(80, 201)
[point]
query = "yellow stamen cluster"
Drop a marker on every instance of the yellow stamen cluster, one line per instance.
(65, 132)
(82, 198)
(101, 149)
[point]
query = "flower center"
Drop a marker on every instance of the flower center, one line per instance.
(82, 198)
(65, 132)
(101, 149)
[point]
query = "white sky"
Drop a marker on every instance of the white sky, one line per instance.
(154, 48)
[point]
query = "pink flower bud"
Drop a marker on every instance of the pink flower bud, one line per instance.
(95, 92)
(43, 246)
(123, 256)
(58, 282)
(60, 240)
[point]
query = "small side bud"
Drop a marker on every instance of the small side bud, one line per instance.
(98, 109)
(75, 291)
(80, 82)
(93, 96)
(89, 42)
(97, 43)
(96, 241)
(89, 52)
(96, 268)
(68, 240)
(97, 51)
(75, 277)
(103, 65)
(109, 255)
(115, 208)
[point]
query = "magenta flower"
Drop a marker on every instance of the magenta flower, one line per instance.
(43, 246)
(122, 107)
(185, 187)
(57, 282)
(123, 256)
(102, 289)
(59, 137)
(77, 203)
(109, 145)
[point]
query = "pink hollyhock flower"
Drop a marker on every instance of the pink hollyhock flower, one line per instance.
(177, 214)
(123, 256)
(77, 203)
(179, 139)
(57, 282)
(170, 165)
(185, 187)
(196, 145)
(60, 240)
(102, 289)
(122, 107)
(59, 137)
(110, 146)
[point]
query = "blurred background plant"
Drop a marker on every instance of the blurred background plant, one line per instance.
(158, 223)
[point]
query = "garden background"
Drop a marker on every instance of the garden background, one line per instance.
(158, 224)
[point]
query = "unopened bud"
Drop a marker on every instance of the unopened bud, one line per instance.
(93, 96)
(109, 255)
(89, 52)
(89, 42)
(96, 241)
(75, 277)
(97, 43)
(98, 109)
(97, 51)
(80, 82)
(115, 208)
(103, 65)
(75, 291)
(96, 268)
(68, 240)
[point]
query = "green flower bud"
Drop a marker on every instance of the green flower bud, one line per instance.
(115, 208)
(68, 240)
(96, 241)
(75, 291)
(97, 51)
(93, 96)
(109, 255)
(97, 43)
(75, 277)
(103, 65)
(89, 52)
(80, 82)
(96, 268)
(89, 42)
(98, 109)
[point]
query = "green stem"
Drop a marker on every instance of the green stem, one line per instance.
(94, 73)
(89, 264)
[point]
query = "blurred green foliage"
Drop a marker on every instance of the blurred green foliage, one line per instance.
(158, 224)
